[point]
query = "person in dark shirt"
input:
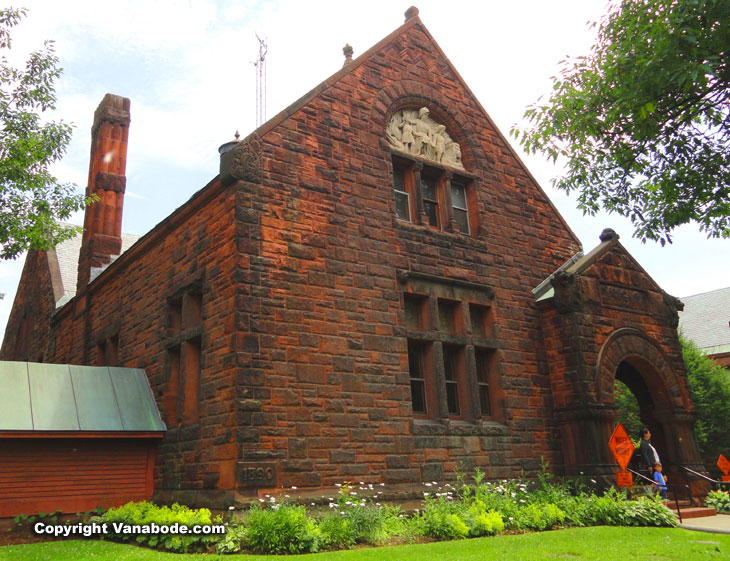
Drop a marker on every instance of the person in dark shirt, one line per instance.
(649, 455)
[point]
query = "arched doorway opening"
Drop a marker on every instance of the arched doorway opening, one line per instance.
(636, 405)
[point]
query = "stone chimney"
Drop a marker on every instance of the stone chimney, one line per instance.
(102, 236)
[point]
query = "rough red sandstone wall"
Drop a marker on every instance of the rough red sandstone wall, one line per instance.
(191, 248)
(608, 314)
(324, 378)
(304, 354)
(26, 333)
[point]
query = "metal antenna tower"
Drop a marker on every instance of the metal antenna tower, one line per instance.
(260, 65)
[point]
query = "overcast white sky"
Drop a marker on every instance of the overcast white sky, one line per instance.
(187, 68)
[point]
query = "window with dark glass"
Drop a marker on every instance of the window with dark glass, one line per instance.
(482, 360)
(452, 350)
(429, 192)
(451, 375)
(418, 379)
(459, 204)
(402, 198)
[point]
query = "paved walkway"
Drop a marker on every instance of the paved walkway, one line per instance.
(719, 524)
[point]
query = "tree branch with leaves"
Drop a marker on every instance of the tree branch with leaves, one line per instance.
(642, 123)
(32, 200)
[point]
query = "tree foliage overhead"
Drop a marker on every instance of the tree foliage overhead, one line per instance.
(643, 122)
(31, 199)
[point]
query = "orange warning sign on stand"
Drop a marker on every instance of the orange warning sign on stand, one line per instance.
(723, 464)
(624, 479)
(621, 446)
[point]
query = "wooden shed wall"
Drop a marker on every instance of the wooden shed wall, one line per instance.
(73, 474)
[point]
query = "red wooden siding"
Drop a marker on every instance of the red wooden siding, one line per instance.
(73, 475)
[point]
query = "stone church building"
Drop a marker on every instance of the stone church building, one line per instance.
(374, 288)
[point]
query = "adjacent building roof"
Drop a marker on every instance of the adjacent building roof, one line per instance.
(706, 320)
(62, 397)
(67, 254)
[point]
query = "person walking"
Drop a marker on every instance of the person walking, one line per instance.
(648, 453)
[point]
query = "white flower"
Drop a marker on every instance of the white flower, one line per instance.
(338, 484)
(353, 493)
(348, 503)
(382, 484)
(362, 483)
(593, 480)
(427, 484)
(377, 504)
(332, 505)
(342, 512)
(287, 496)
(231, 508)
(262, 501)
(434, 482)
(293, 487)
(511, 518)
(522, 500)
(425, 494)
(311, 504)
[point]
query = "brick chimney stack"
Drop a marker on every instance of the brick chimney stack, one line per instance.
(102, 236)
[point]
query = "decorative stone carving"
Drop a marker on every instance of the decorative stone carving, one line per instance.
(246, 159)
(414, 132)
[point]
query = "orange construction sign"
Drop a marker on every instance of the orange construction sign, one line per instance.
(621, 446)
(723, 464)
(624, 479)
(726, 478)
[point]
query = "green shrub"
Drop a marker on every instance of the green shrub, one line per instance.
(440, 519)
(480, 522)
(232, 542)
(719, 500)
(282, 529)
(337, 531)
(370, 523)
(145, 514)
(536, 516)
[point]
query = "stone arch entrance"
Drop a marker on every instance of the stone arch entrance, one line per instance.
(633, 358)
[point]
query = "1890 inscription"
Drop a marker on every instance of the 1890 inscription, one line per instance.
(256, 474)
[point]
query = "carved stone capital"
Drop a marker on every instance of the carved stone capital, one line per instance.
(568, 296)
(242, 162)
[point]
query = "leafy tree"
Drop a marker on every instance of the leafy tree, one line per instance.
(31, 199)
(709, 384)
(628, 407)
(643, 121)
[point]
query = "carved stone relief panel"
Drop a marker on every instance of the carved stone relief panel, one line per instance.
(415, 132)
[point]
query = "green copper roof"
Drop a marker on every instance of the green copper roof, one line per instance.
(62, 397)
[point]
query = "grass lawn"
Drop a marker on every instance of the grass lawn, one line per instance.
(597, 543)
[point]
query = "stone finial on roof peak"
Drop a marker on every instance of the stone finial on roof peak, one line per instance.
(347, 50)
(608, 234)
(411, 12)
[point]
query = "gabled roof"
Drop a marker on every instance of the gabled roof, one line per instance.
(706, 320)
(67, 255)
(62, 397)
(411, 21)
(579, 263)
